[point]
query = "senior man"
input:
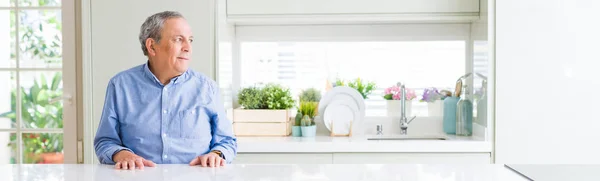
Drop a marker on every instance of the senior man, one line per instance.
(161, 112)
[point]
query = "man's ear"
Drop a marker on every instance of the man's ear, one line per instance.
(150, 46)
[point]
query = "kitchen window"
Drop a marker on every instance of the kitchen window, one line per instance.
(300, 57)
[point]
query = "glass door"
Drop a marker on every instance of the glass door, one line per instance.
(37, 80)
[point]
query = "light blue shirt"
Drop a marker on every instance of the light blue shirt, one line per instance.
(170, 124)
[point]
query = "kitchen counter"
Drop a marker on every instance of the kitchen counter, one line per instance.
(558, 172)
(292, 172)
(327, 144)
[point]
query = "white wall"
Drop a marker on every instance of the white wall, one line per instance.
(479, 33)
(225, 34)
(114, 42)
(547, 76)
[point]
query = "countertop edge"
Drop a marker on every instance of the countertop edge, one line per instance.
(366, 147)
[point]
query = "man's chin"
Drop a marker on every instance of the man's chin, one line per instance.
(182, 69)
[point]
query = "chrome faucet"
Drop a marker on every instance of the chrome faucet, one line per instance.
(403, 120)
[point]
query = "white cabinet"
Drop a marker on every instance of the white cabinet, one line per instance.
(410, 158)
(320, 7)
(362, 158)
(265, 12)
(556, 44)
(283, 158)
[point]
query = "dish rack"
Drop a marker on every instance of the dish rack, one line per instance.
(340, 135)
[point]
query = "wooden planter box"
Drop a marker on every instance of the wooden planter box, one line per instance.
(262, 122)
(261, 115)
(263, 129)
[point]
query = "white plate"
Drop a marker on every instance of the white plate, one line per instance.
(345, 101)
(341, 114)
(343, 90)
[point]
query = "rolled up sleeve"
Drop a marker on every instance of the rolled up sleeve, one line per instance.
(107, 141)
(223, 138)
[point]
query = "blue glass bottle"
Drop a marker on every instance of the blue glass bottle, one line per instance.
(449, 121)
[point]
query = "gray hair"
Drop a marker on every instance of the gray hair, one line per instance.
(153, 25)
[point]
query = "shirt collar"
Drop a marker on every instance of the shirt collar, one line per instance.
(153, 77)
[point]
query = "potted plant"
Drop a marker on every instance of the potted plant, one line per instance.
(307, 98)
(310, 95)
(392, 95)
(39, 110)
(363, 87)
(435, 101)
(297, 127)
(264, 111)
(308, 110)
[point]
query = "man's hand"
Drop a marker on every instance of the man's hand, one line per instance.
(127, 160)
(209, 160)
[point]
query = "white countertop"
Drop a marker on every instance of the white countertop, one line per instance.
(327, 144)
(558, 172)
(345, 172)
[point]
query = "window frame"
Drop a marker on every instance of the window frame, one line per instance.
(68, 68)
(377, 32)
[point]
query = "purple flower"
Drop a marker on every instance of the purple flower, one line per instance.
(431, 95)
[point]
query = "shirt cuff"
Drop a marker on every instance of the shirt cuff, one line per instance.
(226, 154)
(111, 152)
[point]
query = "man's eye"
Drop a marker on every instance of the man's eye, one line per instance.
(191, 40)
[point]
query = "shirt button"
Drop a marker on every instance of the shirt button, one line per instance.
(165, 156)
(164, 134)
(164, 111)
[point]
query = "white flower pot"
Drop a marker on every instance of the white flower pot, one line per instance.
(394, 108)
(435, 109)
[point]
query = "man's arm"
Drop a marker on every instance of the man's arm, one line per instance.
(223, 138)
(107, 141)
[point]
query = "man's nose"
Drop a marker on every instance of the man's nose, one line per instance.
(187, 46)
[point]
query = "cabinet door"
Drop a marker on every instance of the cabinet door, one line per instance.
(401, 158)
(283, 158)
(554, 36)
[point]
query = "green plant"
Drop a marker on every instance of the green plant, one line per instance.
(310, 95)
(270, 96)
(251, 98)
(306, 113)
(307, 121)
(309, 108)
(35, 43)
(278, 97)
(364, 88)
(38, 110)
(298, 119)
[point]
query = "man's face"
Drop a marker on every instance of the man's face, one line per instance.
(173, 52)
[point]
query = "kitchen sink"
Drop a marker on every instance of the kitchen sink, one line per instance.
(408, 137)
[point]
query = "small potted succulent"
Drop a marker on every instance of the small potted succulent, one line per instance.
(392, 95)
(308, 110)
(435, 101)
(308, 98)
(297, 128)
